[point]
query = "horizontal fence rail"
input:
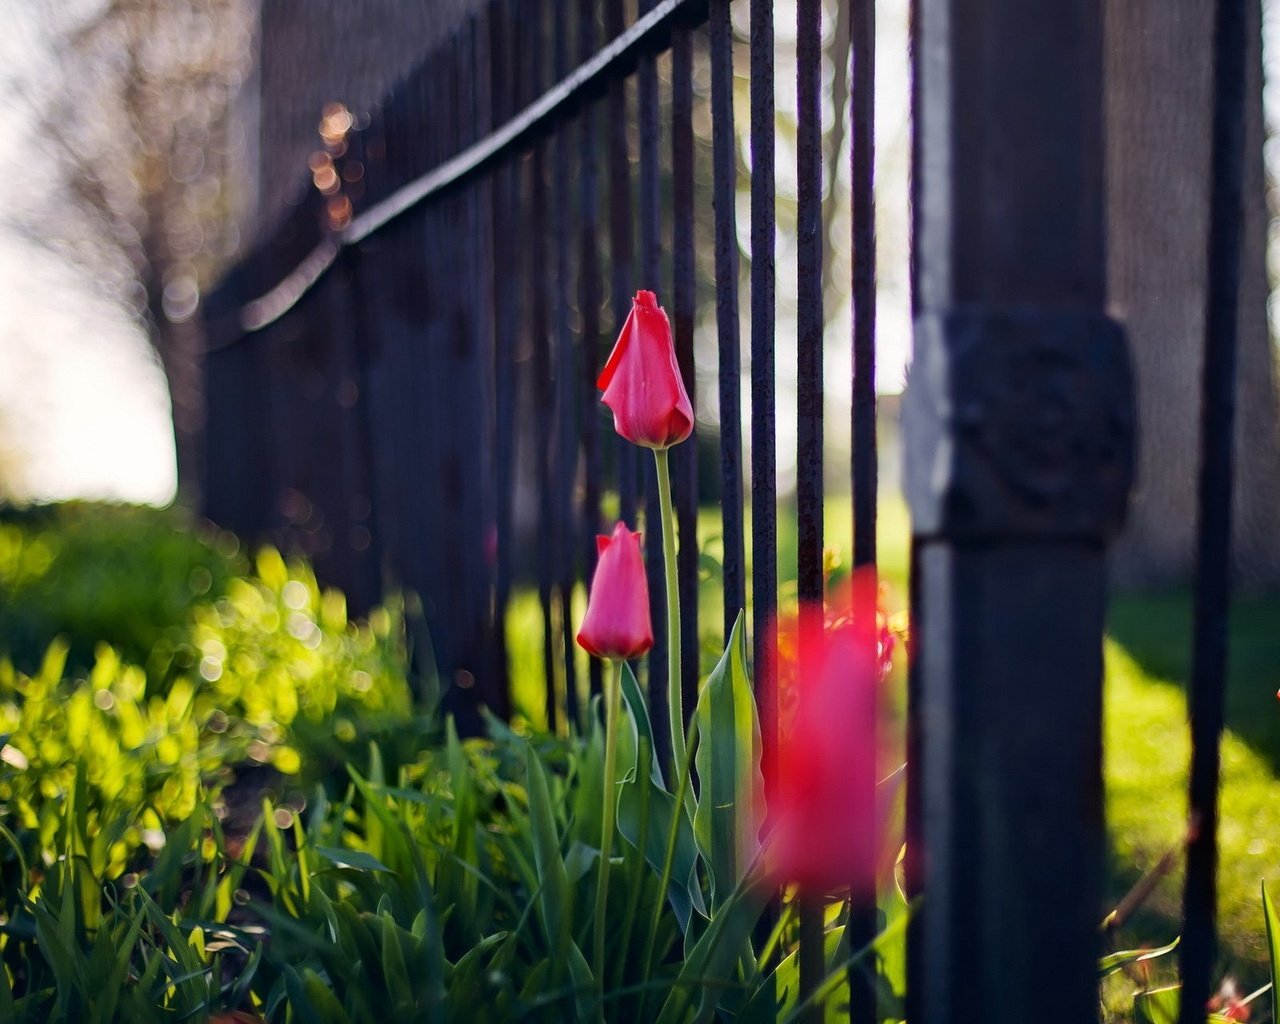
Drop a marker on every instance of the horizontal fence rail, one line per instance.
(649, 35)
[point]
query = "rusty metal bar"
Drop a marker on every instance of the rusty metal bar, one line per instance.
(862, 909)
(764, 439)
(539, 339)
(684, 459)
(621, 245)
(566, 378)
(1213, 535)
(589, 299)
(724, 193)
(650, 278)
(809, 391)
(764, 487)
(507, 305)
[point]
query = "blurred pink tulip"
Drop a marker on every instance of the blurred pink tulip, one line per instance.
(822, 799)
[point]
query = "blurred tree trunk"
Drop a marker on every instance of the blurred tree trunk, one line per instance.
(133, 101)
(180, 348)
(1158, 109)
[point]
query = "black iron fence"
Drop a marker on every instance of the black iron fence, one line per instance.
(401, 385)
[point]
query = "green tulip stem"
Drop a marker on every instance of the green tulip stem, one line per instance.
(613, 701)
(674, 706)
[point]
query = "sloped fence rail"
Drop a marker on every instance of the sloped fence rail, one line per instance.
(401, 384)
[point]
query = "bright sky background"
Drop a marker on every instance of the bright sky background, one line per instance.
(84, 411)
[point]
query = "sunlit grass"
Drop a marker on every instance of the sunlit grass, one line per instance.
(1147, 752)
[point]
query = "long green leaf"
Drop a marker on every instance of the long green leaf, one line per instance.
(462, 888)
(1273, 946)
(312, 999)
(708, 971)
(556, 896)
(1112, 962)
(357, 859)
(1157, 1006)
(588, 793)
(395, 971)
(730, 810)
(646, 810)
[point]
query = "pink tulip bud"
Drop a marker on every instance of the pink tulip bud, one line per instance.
(642, 383)
(617, 621)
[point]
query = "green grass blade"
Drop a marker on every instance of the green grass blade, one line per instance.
(709, 969)
(730, 807)
(556, 897)
(1113, 962)
(1157, 1006)
(646, 810)
(1273, 947)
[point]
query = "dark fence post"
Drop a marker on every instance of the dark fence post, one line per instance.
(1018, 430)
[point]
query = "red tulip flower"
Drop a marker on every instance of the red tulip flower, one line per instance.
(641, 381)
(617, 622)
(826, 832)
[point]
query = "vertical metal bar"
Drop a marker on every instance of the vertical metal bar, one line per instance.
(862, 134)
(764, 462)
(809, 392)
(684, 309)
(411, 377)
(650, 278)
(809, 298)
(764, 487)
(540, 340)
(489, 656)
(913, 827)
(862, 912)
(1018, 435)
(506, 303)
(567, 377)
(1213, 535)
(724, 198)
(589, 297)
(621, 245)
(913, 798)
(375, 340)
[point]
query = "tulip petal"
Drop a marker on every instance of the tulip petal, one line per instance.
(617, 623)
(642, 383)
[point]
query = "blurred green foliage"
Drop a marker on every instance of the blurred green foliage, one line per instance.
(245, 672)
(127, 576)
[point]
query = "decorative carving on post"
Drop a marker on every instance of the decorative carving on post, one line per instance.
(1019, 423)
